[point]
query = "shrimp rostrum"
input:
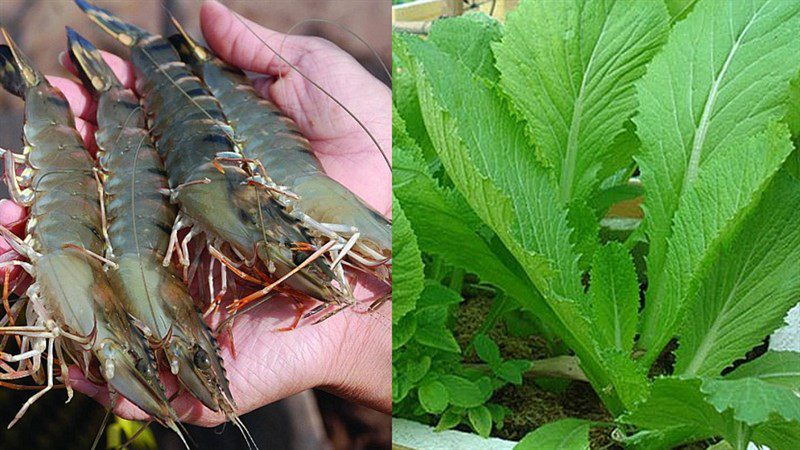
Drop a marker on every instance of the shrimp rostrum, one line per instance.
(73, 309)
(139, 220)
(211, 180)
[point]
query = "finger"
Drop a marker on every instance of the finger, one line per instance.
(263, 85)
(12, 215)
(83, 107)
(245, 44)
(86, 130)
(121, 68)
(187, 408)
(123, 407)
(80, 101)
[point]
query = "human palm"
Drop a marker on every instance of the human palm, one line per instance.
(350, 352)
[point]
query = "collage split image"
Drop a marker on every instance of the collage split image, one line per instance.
(597, 237)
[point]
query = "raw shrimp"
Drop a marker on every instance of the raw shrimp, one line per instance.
(210, 178)
(139, 223)
(73, 310)
(270, 137)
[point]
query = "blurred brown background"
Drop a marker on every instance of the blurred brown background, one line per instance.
(308, 420)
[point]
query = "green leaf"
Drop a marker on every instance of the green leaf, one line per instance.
(747, 284)
(564, 434)
(440, 228)
(432, 330)
(449, 419)
(401, 385)
(585, 237)
(486, 349)
(512, 371)
(735, 65)
(487, 164)
(462, 392)
(728, 187)
(664, 438)
(481, 420)
(679, 9)
(435, 294)
(417, 368)
(569, 67)
(490, 161)
(614, 292)
(792, 117)
(753, 400)
(776, 367)
(403, 331)
(406, 101)
(627, 378)
(486, 387)
(433, 397)
(499, 413)
(675, 402)
(778, 435)
(468, 38)
(407, 282)
(686, 410)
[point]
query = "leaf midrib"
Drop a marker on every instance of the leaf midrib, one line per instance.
(710, 338)
(568, 437)
(571, 157)
(617, 322)
(705, 119)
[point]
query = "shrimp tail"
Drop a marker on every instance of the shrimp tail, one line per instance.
(16, 71)
(187, 46)
(125, 33)
(92, 70)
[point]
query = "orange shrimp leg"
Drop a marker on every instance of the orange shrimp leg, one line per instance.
(238, 304)
(299, 313)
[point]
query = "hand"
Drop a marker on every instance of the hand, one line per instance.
(349, 354)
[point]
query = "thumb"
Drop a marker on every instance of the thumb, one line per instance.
(248, 45)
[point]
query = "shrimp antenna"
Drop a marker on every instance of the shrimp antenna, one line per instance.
(346, 30)
(305, 77)
(177, 428)
(141, 429)
(251, 443)
(100, 431)
(316, 85)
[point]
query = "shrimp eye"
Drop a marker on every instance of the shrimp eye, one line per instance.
(201, 359)
(144, 367)
(299, 257)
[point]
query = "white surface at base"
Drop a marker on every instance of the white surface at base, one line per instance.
(787, 338)
(422, 437)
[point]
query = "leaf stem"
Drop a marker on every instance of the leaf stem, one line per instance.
(557, 367)
(457, 280)
(743, 434)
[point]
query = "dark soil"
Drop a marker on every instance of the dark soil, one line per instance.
(471, 315)
(532, 406)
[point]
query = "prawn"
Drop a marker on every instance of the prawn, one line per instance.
(139, 222)
(73, 308)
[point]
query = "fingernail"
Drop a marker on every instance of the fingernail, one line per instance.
(62, 59)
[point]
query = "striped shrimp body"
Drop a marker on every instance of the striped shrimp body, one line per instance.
(139, 224)
(267, 135)
(207, 176)
(76, 311)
